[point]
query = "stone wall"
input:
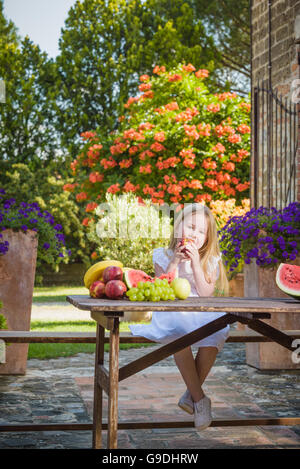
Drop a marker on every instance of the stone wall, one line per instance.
(285, 59)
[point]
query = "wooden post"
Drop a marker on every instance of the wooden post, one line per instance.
(98, 390)
(112, 436)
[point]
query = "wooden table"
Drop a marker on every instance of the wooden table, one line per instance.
(107, 313)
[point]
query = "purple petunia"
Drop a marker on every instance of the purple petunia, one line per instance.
(18, 216)
(266, 235)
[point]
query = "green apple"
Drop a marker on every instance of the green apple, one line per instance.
(181, 287)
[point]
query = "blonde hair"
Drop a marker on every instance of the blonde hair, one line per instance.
(210, 247)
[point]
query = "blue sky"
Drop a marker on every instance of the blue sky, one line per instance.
(42, 20)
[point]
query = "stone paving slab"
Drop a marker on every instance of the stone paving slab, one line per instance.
(153, 396)
(61, 390)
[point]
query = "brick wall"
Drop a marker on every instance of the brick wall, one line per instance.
(285, 53)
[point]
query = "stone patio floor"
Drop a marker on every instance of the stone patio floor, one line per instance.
(61, 390)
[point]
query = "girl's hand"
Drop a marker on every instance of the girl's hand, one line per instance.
(192, 252)
(179, 256)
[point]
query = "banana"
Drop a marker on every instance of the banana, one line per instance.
(95, 272)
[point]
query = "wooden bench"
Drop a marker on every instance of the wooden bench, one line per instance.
(31, 337)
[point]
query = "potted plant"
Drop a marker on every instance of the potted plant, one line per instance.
(27, 234)
(258, 242)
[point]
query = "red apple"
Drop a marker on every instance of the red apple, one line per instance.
(112, 272)
(97, 289)
(184, 242)
(115, 289)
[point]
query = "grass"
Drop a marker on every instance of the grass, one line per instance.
(55, 294)
(46, 351)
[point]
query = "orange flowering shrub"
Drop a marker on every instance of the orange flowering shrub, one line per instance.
(176, 142)
(223, 210)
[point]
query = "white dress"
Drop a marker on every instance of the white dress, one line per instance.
(167, 326)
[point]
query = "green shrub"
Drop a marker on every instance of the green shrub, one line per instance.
(44, 186)
(128, 225)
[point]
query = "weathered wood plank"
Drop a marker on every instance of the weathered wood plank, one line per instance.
(209, 304)
(289, 421)
(112, 434)
(47, 337)
(98, 390)
(105, 322)
(103, 378)
(27, 337)
(269, 331)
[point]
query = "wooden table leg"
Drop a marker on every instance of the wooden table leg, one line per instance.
(269, 331)
(178, 344)
(98, 391)
(112, 434)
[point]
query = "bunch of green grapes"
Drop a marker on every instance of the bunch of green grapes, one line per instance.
(151, 291)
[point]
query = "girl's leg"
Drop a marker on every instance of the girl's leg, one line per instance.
(187, 367)
(204, 361)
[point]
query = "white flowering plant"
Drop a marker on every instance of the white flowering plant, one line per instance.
(127, 230)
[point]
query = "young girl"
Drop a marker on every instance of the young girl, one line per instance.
(201, 264)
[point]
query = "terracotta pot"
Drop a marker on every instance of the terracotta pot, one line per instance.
(261, 283)
(236, 289)
(236, 286)
(17, 272)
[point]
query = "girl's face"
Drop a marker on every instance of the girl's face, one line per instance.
(193, 226)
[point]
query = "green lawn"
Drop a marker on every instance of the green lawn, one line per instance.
(54, 294)
(45, 351)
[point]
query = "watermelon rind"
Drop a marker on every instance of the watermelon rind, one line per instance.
(291, 291)
(133, 276)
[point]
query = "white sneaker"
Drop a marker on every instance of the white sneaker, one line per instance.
(186, 402)
(202, 411)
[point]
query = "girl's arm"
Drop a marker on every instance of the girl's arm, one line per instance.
(203, 288)
(158, 270)
(178, 256)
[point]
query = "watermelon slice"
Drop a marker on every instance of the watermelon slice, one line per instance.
(288, 280)
(133, 276)
(170, 276)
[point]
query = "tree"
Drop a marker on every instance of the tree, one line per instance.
(177, 143)
(229, 22)
(106, 45)
(44, 186)
(8, 32)
(27, 131)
